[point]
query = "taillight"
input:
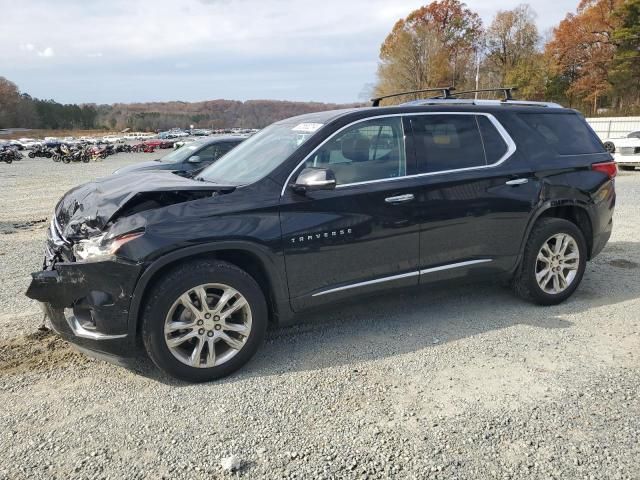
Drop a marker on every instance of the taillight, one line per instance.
(609, 168)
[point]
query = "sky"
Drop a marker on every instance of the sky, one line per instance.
(90, 51)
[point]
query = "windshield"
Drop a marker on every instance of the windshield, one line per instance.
(181, 154)
(257, 156)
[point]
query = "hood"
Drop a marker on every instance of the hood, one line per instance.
(87, 209)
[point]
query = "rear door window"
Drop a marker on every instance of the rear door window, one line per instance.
(447, 142)
(566, 133)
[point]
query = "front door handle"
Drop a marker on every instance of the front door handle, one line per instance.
(400, 198)
(517, 181)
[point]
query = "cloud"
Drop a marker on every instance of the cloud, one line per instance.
(216, 42)
(47, 52)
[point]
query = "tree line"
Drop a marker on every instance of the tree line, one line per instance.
(21, 110)
(590, 60)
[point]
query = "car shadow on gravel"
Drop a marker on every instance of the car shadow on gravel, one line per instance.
(403, 321)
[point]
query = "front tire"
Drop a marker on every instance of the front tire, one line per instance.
(204, 320)
(553, 264)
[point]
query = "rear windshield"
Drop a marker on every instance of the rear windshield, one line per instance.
(566, 133)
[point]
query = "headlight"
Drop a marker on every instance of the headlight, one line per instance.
(99, 248)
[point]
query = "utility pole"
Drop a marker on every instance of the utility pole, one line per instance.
(477, 73)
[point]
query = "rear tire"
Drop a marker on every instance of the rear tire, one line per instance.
(207, 326)
(610, 147)
(562, 270)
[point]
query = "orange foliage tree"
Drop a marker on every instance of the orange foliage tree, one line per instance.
(582, 48)
(433, 46)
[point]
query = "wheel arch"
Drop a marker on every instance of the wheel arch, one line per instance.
(268, 273)
(575, 212)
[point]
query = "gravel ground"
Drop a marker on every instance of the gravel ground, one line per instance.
(465, 382)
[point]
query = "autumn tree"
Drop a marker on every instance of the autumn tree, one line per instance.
(433, 46)
(582, 48)
(511, 44)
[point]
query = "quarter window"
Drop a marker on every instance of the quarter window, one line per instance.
(566, 133)
(494, 145)
(370, 150)
(452, 142)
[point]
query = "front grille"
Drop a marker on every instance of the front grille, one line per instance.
(629, 150)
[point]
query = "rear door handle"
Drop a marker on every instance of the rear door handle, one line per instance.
(517, 181)
(400, 198)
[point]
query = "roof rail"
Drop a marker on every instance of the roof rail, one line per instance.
(507, 91)
(471, 101)
(446, 93)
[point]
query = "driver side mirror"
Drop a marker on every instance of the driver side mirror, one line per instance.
(194, 159)
(311, 179)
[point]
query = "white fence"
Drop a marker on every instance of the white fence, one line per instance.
(613, 127)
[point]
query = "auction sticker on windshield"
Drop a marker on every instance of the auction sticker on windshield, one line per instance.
(307, 127)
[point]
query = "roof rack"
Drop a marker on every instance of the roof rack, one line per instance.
(507, 92)
(446, 93)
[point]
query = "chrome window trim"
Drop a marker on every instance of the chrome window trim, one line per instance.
(423, 271)
(511, 149)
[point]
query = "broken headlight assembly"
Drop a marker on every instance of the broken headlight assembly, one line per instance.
(101, 248)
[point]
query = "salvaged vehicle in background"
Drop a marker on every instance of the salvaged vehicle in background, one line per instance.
(318, 208)
(9, 153)
(188, 158)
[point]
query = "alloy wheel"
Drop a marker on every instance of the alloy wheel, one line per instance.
(207, 325)
(557, 263)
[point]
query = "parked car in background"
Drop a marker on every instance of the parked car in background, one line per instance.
(190, 157)
(626, 151)
(30, 143)
(112, 139)
(159, 143)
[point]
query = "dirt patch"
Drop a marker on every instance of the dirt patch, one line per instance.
(41, 350)
(621, 263)
(11, 227)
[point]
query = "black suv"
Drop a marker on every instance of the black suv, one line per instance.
(318, 208)
(190, 157)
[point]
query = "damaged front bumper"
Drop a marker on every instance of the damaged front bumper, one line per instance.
(88, 303)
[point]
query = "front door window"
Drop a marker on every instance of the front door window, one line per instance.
(367, 151)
